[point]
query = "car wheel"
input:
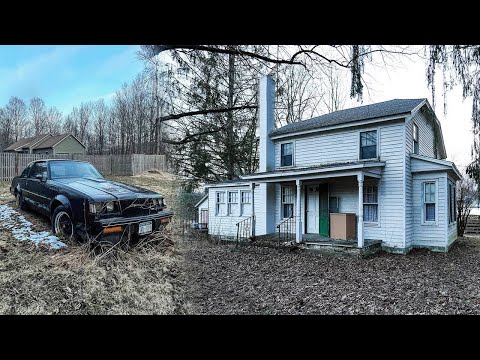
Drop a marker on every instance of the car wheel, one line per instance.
(62, 224)
(20, 201)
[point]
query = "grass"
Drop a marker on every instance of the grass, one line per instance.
(143, 280)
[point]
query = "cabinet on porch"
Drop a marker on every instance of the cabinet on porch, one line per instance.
(342, 226)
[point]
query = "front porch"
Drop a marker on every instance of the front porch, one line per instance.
(307, 206)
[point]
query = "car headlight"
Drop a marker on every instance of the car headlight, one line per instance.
(110, 206)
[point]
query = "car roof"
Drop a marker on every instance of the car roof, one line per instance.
(48, 160)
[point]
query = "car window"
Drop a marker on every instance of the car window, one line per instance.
(73, 169)
(25, 172)
(38, 168)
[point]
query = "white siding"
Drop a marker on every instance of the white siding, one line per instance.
(223, 225)
(430, 235)
(452, 228)
(426, 148)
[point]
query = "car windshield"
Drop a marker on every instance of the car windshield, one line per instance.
(73, 169)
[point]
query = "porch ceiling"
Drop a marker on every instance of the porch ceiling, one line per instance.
(369, 168)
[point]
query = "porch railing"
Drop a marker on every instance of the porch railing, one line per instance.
(244, 229)
(286, 230)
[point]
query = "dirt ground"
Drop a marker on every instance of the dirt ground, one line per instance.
(71, 280)
(256, 280)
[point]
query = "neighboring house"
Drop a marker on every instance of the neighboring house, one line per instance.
(383, 163)
(64, 144)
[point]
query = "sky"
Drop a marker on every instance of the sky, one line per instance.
(64, 76)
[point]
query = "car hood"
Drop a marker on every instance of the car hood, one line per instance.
(103, 190)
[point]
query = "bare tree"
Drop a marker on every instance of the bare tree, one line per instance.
(467, 195)
(53, 120)
(335, 94)
(38, 115)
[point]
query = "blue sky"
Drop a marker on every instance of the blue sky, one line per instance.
(64, 76)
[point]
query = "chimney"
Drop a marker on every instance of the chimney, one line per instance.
(267, 123)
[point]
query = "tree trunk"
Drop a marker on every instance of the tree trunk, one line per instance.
(230, 140)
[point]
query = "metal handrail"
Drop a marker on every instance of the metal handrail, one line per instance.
(286, 234)
(244, 228)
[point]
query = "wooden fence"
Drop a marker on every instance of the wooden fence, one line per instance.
(12, 164)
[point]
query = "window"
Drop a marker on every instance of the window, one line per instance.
(287, 154)
(452, 216)
(219, 203)
(233, 203)
(25, 172)
(287, 201)
(368, 144)
(429, 201)
(333, 204)
(245, 203)
(38, 168)
(415, 139)
(370, 203)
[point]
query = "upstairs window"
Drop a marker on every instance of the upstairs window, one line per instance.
(429, 201)
(368, 144)
(286, 154)
(415, 139)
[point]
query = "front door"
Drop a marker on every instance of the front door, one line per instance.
(324, 211)
(313, 209)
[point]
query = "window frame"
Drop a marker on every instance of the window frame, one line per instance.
(229, 203)
(33, 167)
(218, 203)
(415, 126)
(377, 149)
(282, 202)
(424, 221)
(365, 186)
(293, 153)
(451, 197)
(242, 211)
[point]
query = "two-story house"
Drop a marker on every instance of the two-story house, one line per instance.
(381, 163)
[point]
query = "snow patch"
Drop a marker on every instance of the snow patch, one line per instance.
(21, 228)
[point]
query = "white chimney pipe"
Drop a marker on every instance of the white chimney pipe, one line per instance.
(267, 123)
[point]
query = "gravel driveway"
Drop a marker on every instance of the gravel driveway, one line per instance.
(255, 280)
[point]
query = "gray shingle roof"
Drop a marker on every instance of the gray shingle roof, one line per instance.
(50, 141)
(25, 142)
(386, 108)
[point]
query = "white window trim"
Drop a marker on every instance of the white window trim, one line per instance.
(429, 223)
(237, 213)
(359, 142)
(413, 139)
(282, 215)
(454, 222)
(280, 154)
(373, 223)
(241, 202)
(216, 203)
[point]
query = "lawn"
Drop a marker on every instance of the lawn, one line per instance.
(72, 280)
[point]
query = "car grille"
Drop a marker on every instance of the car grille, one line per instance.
(138, 207)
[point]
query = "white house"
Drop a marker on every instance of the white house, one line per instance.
(383, 163)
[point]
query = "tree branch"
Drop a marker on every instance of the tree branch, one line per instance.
(204, 112)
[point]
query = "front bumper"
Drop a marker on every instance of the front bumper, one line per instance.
(127, 226)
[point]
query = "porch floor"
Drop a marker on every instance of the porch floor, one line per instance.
(325, 244)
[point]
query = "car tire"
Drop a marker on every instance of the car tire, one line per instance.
(20, 201)
(62, 224)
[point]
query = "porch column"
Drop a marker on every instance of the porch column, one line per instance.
(252, 186)
(360, 210)
(298, 223)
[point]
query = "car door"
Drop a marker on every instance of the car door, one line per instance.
(35, 188)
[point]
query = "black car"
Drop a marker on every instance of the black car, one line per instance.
(83, 205)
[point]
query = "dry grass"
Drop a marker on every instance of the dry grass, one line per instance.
(73, 280)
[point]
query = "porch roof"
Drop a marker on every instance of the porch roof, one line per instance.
(370, 168)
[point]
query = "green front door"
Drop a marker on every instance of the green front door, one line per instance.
(324, 211)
